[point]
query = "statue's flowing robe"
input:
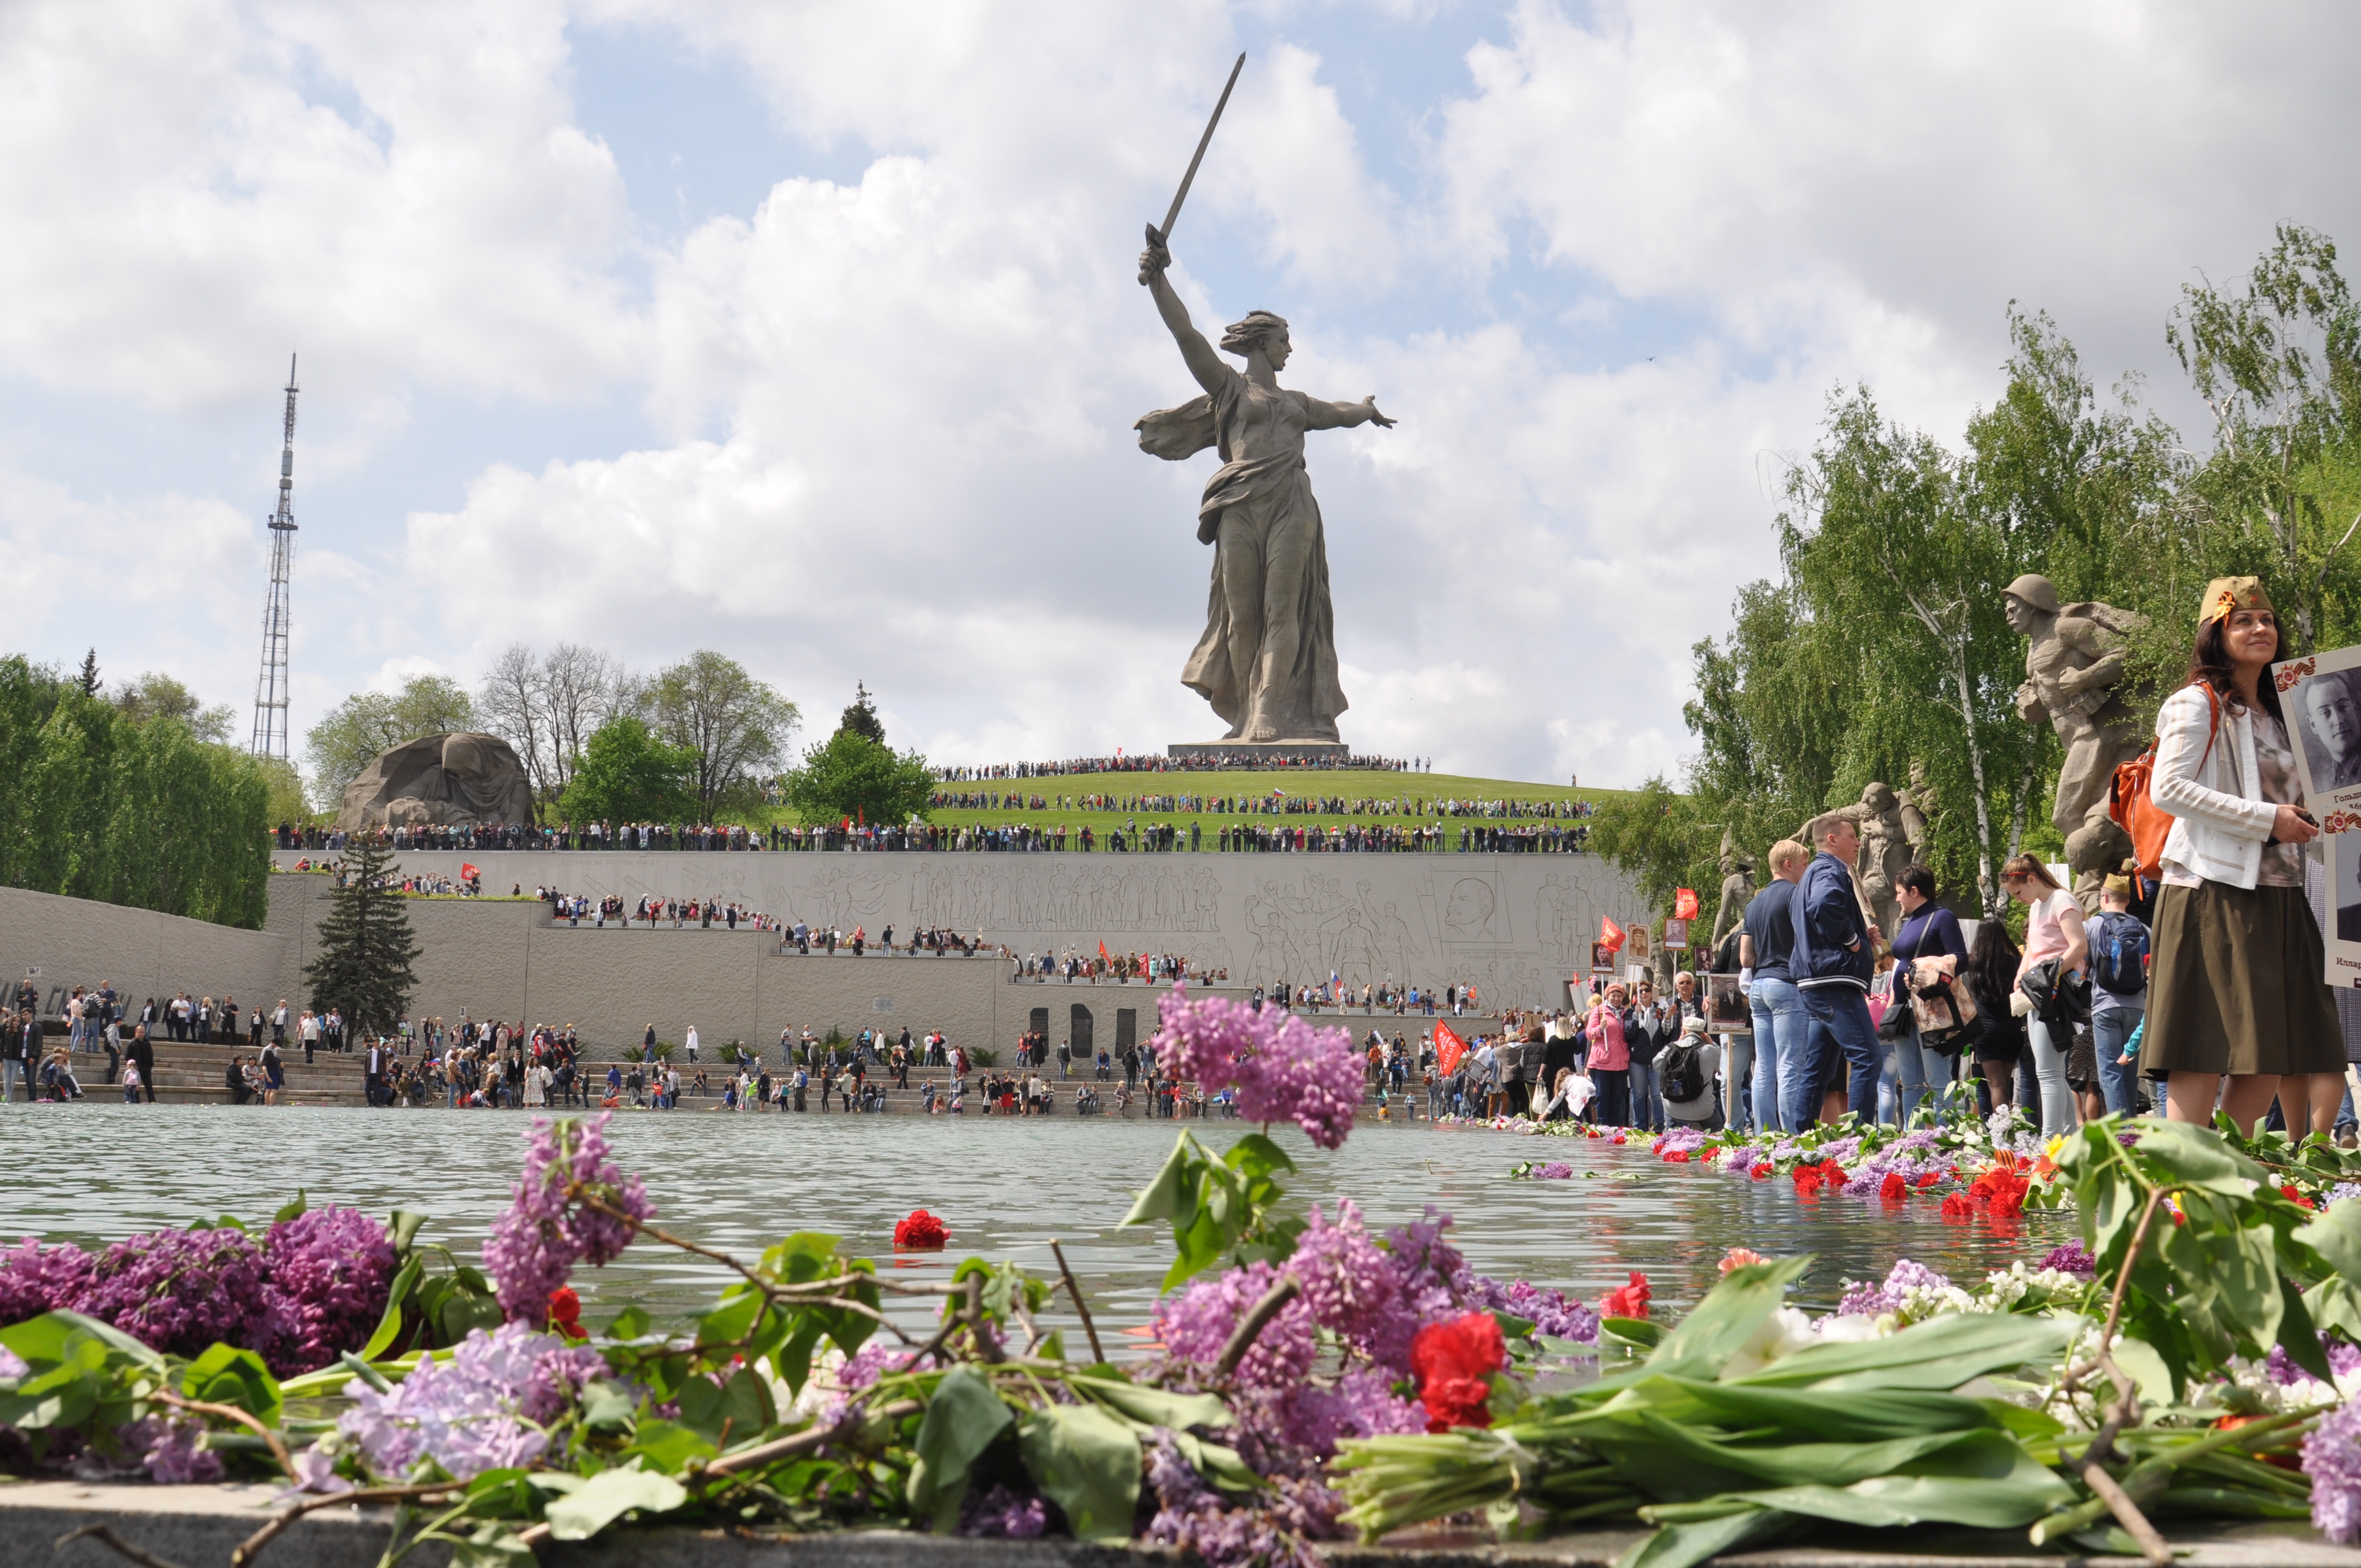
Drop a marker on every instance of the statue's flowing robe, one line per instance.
(1308, 697)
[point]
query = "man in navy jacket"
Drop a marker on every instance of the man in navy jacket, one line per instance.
(1832, 960)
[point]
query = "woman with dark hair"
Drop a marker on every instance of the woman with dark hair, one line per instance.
(1928, 931)
(1999, 1032)
(2237, 988)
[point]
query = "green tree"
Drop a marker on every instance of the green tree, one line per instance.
(626, 774)
(364, 966)
(2279, 363)
(1656, 836)
(855, 777)
(367, 724)
(731, 723)
(158, 696)
(860, 715)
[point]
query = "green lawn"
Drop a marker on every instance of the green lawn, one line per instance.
(1390, 798)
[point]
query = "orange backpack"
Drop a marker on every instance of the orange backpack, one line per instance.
(2134, 811)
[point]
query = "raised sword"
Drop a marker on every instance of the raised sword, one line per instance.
(1157, 238)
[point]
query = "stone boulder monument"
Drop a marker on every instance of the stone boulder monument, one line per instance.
(442, 780)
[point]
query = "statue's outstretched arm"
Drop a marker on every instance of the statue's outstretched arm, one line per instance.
(1322, 414)
(1195, 352)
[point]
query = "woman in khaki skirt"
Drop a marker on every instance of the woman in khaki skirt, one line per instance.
(2238, 987)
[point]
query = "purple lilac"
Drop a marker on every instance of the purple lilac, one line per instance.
(1196, 1324)
(2344, 1361)
(538, 1239)
(333, 1268)
(36, 1279)
(483, 1410)
(2332, 1458)
(1680, 1140)
(179, 1291)
(2341, 1191)
(1195, 1518)
(1284, 1069)
(1362, 1404)
(315, 1471)
(1555, 1171)
(1349, 1282)
(167, 1449)
(1551, 1313)
(1000, 1511)
(2070, 1258)
(11, 1363)
(1863, 1298)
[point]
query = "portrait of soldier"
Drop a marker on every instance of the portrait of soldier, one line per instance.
(2331, 725)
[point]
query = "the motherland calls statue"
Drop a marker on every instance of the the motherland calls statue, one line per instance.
(1268, 660)
(2074, 679)
(444, 781)
(1737, 889)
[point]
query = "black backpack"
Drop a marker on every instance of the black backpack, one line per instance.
(2116, 949)
(1683, 1073)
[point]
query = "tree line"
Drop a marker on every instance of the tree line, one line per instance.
(1882, 646)
(133, 796)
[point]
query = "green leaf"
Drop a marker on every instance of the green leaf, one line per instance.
(2297, 1337)
(2181, 1154)
(961, 1420)
(1713, 1331)
(225, 1375)
(1686, 1545)
(404, 1224)
(667, 1445)
(107, 1334)
(741, 1407)
(1857, 1418)
(294, 1209)
(629, 1323)
(493, 1545)
(729, 1323)
(607, 1497)
(388, 1324)
(2335, 1234)
(2145, 1367)
(1255, 1155)
(608, 1407)
(1167, 1197)
(1155, 1407)
(1941, 1352)
(2335, 1303)
(1088, 1464)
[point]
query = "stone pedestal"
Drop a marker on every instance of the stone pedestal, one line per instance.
(1272, 752)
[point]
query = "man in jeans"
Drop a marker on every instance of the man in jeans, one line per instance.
(1780, 1022)
(2118, 951)
(1831, 962)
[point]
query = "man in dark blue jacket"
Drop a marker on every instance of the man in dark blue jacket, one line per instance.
(1832, 960)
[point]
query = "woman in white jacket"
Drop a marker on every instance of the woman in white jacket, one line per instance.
(2238, 986)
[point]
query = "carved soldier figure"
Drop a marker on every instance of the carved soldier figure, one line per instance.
(2074, 681)
(1737, 889)
(1887, 846)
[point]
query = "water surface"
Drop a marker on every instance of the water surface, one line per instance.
(92, 1173)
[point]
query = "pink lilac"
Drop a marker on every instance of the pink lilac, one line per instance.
(1196, 1325)
(1349, 1282)
(2070, 1258)
(36, 1279)
(1680, 1140)
(2344, 1361)
(315, 1471)
(2332, 1458)
(544, 1232)
(179, 1291)
(167, 1449)
(1283, 1068)
(1555, 1171)
(1864, 1299)
(1000, 1511)
(331, 1269)
(485, 1408)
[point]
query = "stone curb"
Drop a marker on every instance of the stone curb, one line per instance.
(198, 1527)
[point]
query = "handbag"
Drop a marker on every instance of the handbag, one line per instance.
(1893, 1019)
(1945, 1009)
(2130, 806)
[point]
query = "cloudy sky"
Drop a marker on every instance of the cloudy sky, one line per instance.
(810, 333)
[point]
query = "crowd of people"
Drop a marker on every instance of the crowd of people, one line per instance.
(1196, 762)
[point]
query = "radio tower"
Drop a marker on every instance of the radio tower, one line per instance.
(270, 688)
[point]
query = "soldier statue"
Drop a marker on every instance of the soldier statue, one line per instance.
(2074, 670)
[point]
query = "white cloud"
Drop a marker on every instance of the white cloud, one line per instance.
(891, 413)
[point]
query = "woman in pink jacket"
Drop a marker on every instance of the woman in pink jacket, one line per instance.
(1609, 1057)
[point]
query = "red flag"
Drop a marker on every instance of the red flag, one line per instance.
(1448, 1049)
(1685, 903)
(1102, 954)
(467, 873)
(1610, 935)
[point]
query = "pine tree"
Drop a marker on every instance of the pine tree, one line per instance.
(367, 949)
(860, 718)
(89, 676)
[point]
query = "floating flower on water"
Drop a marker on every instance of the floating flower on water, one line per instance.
(1453, 1364)
(2070, 1258)
(1739, 1258)
(919, 1231)
(1627, 1300)
(1556, 1170)
(1894, 1189)
(1956, 1206)
(1863, 1299)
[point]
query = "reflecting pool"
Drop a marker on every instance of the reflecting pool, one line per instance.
(91, 1173)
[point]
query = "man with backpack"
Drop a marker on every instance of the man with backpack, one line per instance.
(1687, 1069)
(2119, 949)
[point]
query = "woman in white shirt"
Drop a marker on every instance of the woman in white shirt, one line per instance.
(2238, 983)
(2053, 929)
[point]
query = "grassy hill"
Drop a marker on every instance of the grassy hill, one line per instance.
(1305, 798)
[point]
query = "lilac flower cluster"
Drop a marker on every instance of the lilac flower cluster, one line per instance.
(998, 1511)
(1863, 1298)
(1285, 1071)
(2332, 1458)
(1555, 1171)
(314, 1288)
(545, 1231)
(2342, 1191)
(167, 1449)
(2344, 1361)
(1912, 1156)
(1195, 1518)
(2070, 1258)
(487, 1408)
(1551, 1313)
(1680, 1140)
(1197, 1324)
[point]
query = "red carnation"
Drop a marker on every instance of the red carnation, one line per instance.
(1677, 1156)
(566, 1312)
(1956, 1206)
(919, 1231)
(1630, 1301)
(1763, 1171)
(1928, 1178)
(1894, 1189)
(2292, 1196)
(1453, 1363)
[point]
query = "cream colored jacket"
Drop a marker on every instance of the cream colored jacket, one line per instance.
(2220, 819)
